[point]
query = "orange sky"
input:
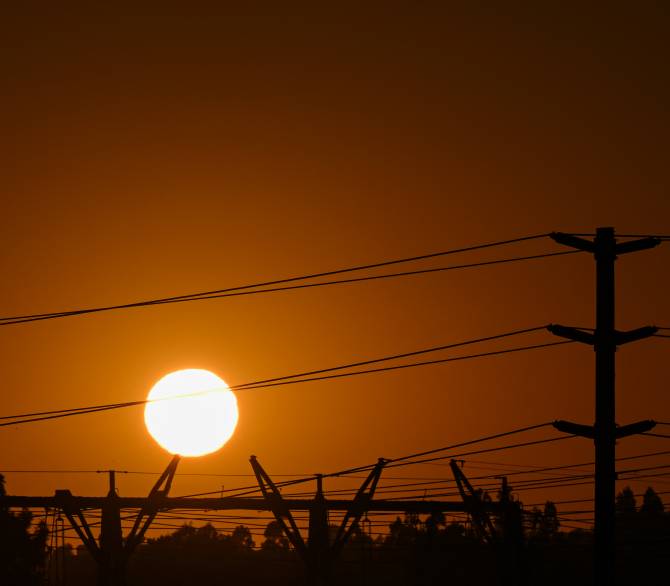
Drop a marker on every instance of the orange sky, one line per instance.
(152, 152)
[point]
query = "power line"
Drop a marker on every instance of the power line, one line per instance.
(237, 290)
(500, 473)
(252, 386)
(412, 365)
(659, 236)
(385, 489)
(195, 474)
(305, 373)
(536, 469)
(424, 486)
(485, 451)
(401, 460)
(572, 501)
(484, 439)
(646, 469)
(10, 321)
(398, 356)
(545, 484)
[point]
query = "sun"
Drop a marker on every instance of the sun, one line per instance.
(191, 412)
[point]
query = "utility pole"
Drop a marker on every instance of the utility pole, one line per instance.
(604, 433)
(112, 562)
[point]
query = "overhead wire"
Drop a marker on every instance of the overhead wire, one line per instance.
(301, 374)
(484, 451)
(281, 381)
(619, 458)
(659, 236)
(399, 356)
(114, 406)
(586, 500)
(393, 463)
(9, 321)
(545, 484)
(411, 365)
(245, 289)
(402, 460)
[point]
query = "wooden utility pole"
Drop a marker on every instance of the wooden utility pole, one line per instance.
(604, 339)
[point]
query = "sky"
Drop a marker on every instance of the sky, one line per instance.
(164, 149)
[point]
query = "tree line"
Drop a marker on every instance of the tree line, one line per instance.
(524, 547)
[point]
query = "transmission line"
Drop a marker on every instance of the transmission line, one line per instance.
(248, 289)
(402, 460)
(282, 381)
(304, 373)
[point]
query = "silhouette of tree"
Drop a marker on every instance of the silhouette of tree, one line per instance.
(551, 523)
(544, 524)
(454, 532)
(22, 551)
(625, 502)
(403, 532)
(651, 503)
(535, 522)
(274, 538)
(434, 522)
(241, 538)
(184, 534)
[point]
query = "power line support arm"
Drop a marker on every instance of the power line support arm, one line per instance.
(149, 511)
(281, 512)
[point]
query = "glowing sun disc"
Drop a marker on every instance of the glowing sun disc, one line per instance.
(191, 412)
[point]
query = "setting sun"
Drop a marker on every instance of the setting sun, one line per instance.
(191, 412)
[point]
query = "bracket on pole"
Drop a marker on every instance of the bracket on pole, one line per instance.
(78, 522)
(481, 521)
(589, 246)
(635, 335)
(589, 430)
(148, 512)
(357, 508)
(572, 334)
(572, 241)
(635, 245)
(574, 428)
(620, 337)
(281, 512)
(633, 428)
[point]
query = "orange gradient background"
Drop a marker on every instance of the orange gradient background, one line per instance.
(149, 153)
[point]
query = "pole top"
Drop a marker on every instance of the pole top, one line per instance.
(112, 482)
